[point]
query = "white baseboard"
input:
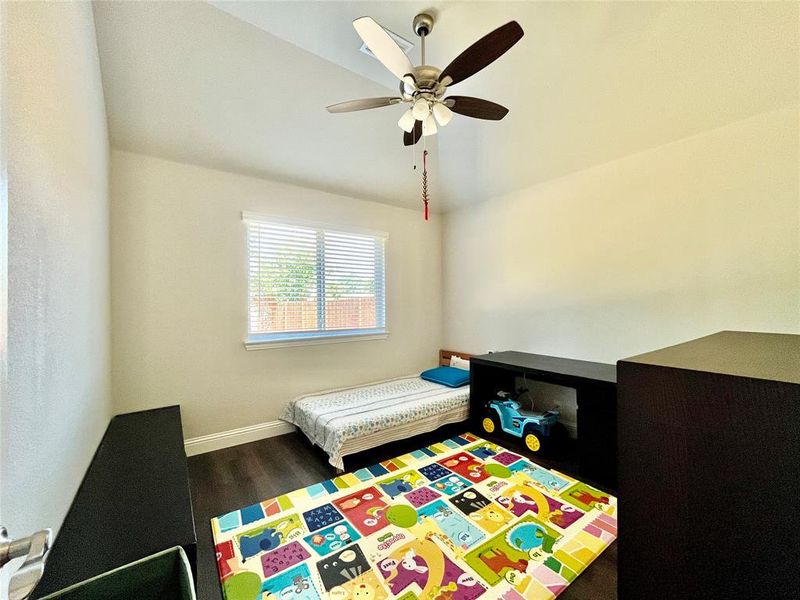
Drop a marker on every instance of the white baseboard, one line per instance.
(234, 437)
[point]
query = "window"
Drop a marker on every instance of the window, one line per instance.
(310, 282)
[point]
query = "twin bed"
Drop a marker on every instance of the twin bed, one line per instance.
(353, 419)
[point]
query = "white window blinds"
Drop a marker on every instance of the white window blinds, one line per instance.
(309, 281)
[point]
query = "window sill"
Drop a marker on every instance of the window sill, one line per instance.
(314, 340)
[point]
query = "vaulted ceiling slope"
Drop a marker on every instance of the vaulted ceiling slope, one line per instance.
(242, 86)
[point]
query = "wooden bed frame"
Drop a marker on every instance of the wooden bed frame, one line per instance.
(444, 356)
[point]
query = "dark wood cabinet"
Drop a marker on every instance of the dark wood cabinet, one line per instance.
(709, 469)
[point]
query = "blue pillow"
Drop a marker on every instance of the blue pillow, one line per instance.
(449, 376)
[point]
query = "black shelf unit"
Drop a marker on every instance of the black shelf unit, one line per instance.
(596, 388)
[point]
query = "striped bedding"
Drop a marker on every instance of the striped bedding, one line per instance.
(347, 420)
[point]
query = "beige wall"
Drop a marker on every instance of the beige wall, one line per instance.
(58, 401)
(179, 295)
(659, 247)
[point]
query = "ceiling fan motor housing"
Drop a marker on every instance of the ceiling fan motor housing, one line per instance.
(426, 78)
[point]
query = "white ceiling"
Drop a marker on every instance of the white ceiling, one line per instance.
(242, 86)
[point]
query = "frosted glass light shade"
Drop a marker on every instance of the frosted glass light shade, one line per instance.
(421, 109)
(406, 122)
(429, 126)
(442, 114)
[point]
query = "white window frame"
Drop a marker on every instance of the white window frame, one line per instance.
(265, 341)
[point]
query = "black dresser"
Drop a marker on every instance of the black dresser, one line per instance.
(709, 469)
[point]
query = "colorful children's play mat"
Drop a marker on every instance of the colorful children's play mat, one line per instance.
(459, 520)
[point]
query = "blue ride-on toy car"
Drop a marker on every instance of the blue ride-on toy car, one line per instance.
(535, 428)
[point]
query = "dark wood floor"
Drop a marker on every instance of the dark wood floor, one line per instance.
(235, 477)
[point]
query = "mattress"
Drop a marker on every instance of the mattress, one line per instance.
(353, 419)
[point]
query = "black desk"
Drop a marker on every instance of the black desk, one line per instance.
(134, 501)
(596, 389)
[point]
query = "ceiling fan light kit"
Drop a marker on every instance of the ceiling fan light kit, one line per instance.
(406, 122)
(442, 113)
(429, 126)
(421, 109)
(424, 87)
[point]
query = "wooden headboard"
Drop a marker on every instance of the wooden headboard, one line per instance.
(444, 356)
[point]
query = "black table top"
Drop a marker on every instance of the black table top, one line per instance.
(554, 369)
(134, 501)
(770, 356)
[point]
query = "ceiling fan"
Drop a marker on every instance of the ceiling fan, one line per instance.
(424, 86)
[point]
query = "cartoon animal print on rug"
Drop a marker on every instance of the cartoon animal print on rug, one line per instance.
(518, 500)
(401, 484)
(364, 587)
(450, 485)
(484, 450)
(507, 557)
(365, 509)
(342, 567)
(451, 524)
(470, 501)
(523, 497)
(224, 553)
(335, 537)
(295, 584)
(541, 478)
(491, 518)
(422, 564)
(269, 536)
(587, 498)
(465, 465)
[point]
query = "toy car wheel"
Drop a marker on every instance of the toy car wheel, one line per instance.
(490, 424)
(532, 442)
(533, 439)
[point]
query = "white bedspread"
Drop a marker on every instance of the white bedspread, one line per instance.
(330, 419)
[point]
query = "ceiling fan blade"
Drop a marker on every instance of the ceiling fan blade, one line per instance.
(411, 138)
(476, 107)
(383, 46)
(482, 53)
(362, 104)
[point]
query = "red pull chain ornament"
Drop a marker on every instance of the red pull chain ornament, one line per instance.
(425, 182)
